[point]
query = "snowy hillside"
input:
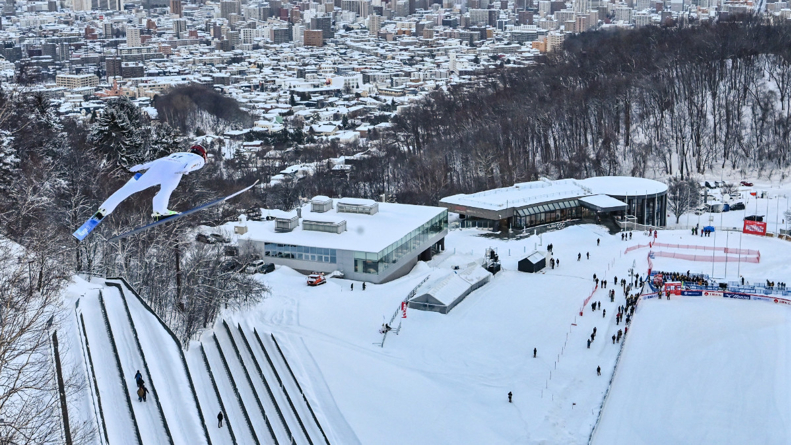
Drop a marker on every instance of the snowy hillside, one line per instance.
(309, 361)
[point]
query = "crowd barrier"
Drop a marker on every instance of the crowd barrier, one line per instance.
(709, 248)
(735, 295)
(708, 258)
(587, 300)
(639, 246)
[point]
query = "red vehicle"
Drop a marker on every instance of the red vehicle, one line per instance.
(316, 279)
(746, 184)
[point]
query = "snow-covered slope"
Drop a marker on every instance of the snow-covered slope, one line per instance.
(702, 370)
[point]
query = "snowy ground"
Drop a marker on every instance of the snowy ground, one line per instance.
(702, 370)
(445, 378)
(773, 208)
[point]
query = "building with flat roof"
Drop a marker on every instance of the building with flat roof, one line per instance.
(73, 81)
(546, 201)
(364, 239)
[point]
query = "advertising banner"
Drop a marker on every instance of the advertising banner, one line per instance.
(737, 295)
(692, 293)
(754, 227)
(673, 287)
(712, 293)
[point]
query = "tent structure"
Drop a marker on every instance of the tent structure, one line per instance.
(533, 262)
(445, 290)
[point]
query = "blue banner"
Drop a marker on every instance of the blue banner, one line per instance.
(736, 295)
(692, 293)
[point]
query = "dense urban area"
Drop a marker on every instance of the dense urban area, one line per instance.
(433, 157)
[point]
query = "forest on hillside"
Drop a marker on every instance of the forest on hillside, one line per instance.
(648, 102)
(662, 102)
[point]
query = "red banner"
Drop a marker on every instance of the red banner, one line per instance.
(754, 227)
(673, 287)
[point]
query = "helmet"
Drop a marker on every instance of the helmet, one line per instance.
(198, 150)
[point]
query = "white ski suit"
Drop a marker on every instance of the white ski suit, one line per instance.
(165, 172)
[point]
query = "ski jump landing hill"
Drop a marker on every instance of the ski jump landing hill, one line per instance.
(239, 372)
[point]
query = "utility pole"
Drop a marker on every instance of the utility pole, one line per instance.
(178, 275)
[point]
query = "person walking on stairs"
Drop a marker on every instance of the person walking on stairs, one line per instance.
(141, 393)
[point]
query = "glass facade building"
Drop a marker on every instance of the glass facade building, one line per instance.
(304, 253)
(378, 262)
(549, 213)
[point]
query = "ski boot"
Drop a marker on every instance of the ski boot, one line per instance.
(160, 216)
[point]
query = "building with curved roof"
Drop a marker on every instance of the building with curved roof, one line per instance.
(535, 203)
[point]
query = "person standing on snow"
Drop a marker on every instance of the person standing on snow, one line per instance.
(219, 420)
(598, 370)
(165, 172)
(535, 351)
(510, 395)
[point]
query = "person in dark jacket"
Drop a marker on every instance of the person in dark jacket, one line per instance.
(141, 393)
(219, 420)
(598, 370)
(510, 395)
(535, 351)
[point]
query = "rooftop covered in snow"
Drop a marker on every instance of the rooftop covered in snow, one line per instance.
(364, 232)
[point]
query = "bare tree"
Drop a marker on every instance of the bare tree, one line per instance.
(30, 286)
(682, 195)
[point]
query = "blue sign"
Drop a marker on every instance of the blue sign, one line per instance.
(735, 295)
(692, 293)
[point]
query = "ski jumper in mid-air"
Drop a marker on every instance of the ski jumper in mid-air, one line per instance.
(165, 172)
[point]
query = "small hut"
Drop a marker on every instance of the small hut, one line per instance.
(533, 262)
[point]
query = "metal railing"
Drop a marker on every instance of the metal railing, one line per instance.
(395, 314)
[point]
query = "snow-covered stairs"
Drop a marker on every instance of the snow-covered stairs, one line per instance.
(111, 394)
(150, 418)
(289, 387)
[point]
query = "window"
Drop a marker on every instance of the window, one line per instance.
(304, 253)
(374, 263)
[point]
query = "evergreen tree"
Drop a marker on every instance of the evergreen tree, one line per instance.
(9, 162)
(345, 122)
(164, 141)
(120, 133)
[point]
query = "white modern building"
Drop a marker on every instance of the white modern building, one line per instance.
(366, 240)
(546, 201)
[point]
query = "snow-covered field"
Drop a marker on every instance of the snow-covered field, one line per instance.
(445, 378)
(702, 370)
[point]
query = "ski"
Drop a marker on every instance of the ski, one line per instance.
(93, 221)
(182, 214)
